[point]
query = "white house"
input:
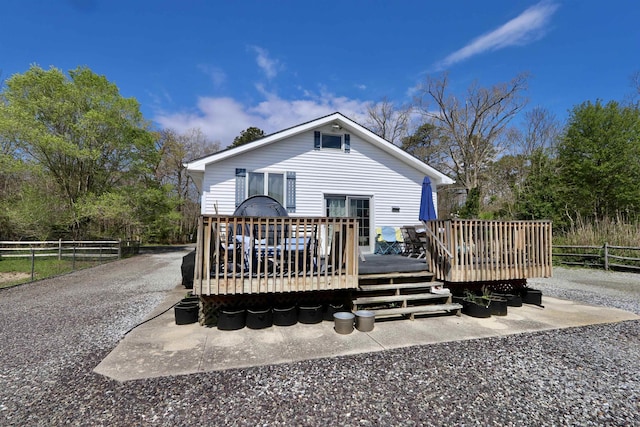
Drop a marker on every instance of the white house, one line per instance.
(330, 166)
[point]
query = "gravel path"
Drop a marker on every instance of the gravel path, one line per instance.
(54, 332)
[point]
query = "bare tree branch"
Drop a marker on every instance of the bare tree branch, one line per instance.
(387, 121)
(475, 127)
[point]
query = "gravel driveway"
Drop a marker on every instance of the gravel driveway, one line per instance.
(55, 331)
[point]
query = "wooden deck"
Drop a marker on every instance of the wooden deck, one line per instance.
(478, 251)
(259, 259)
(251, 255)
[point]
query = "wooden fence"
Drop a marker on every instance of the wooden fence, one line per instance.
(477, 250)
(605, 256)
(251, 255)
(69, 249)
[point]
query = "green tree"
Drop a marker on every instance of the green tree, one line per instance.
(428, 144)
(175, 150)
(599, 157)
(78, 128)
(540, 194)
(508, 177)
(471, 207)
(248, 135)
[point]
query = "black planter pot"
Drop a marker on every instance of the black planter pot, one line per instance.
(186, 313)
(330, 309)
(310, 314)
(513, 300)
(532, 296)
(475, 310)
(232, 319)
(285, 316)
(190, 299)
(498, 306)
(259, 318)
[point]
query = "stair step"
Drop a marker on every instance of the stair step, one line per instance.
(395, 275)
(394, 286)
(396, 298)
(418, 309)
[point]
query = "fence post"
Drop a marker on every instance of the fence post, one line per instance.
(606, 256)
(73, 263)
(119, 248)
(33, 264)
(59, 249)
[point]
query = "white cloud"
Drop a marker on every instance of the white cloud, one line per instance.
(222, 119)
(529, 26)
(217, 75)
(269, 67)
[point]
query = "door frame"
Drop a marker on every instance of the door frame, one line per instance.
(348, 198)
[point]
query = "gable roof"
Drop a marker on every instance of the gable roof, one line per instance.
(197, 166)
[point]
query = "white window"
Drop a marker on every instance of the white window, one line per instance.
(331, 141)
(267, 183)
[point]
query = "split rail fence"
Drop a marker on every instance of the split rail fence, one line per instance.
(608, 257)
(85, 251)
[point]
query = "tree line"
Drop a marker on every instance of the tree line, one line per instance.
(585, 169)
(78, 160)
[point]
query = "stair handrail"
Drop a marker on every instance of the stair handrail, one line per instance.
(437, 240)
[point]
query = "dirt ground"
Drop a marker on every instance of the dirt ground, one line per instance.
(12, 277)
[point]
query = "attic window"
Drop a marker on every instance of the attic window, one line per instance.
(331, 141)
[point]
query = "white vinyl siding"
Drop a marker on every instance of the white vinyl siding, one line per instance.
(364, 171)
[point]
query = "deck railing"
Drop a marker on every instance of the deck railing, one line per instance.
(251, 255)
(476, 250)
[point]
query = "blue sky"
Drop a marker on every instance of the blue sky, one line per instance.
(223, 66)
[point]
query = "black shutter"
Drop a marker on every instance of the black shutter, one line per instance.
(316, 140)
(241, 178)
(347, 143)
(291, 192)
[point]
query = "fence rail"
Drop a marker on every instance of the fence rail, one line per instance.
(68, 251)
(606, 256)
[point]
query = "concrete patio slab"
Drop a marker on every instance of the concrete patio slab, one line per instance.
(159, 347)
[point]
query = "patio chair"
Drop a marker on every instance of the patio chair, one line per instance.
(236, 254)
(414, 245)
(389, 241)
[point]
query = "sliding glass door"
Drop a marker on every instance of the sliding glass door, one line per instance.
(352, 207)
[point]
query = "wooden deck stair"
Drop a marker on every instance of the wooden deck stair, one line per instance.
(403, 294)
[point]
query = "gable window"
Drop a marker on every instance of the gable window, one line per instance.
(331, 141)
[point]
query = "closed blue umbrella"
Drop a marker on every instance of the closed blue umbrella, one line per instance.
(427, 209)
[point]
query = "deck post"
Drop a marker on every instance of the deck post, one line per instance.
(33, 263)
